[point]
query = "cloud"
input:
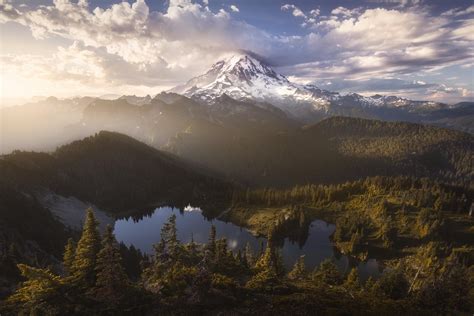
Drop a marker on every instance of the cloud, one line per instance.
(459, 11)
(314, 12)
(186, 38)
(414, 89)
(234, 8)
(400, 3)
(8, 12)
(131, 44)
(308, 19)
(344, 12)
(352, 44)
(87, 65)
(294, 10)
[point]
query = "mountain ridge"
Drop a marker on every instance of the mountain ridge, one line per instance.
(245, 77)
(111, 170)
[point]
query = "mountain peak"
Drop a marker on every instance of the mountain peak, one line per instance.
(245, 67)
(245, 77)
(240, 76)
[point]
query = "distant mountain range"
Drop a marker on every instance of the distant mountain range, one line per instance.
(246, 78)
(242, 87)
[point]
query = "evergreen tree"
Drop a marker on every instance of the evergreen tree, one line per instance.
(327, 273)
(267, 259)
(267, 266)
(211, 244)
(169, 236)
(40, 294)
(278, 263)
(299, 270)
(166, 259)
(192, 251)
(370, 286)
(221, 251)
(68, 258)
(248, 255)
(112, 282)
(393, 284)
(86, 252)
(352, 281)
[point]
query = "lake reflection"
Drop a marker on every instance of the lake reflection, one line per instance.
(190, 222)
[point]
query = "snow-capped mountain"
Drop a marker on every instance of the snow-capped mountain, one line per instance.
(243, 77)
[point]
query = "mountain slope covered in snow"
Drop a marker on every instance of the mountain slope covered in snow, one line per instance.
(244, 77)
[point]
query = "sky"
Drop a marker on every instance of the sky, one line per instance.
(417, 49)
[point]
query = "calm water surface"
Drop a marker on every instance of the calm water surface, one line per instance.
(191, 223)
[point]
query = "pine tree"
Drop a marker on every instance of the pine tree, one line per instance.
(167, 255)
(40, 294)
(278, 263)
(192, 250)
(393, 284)
(211, 244)
(68, 258)
(112, 282)
(271, 257)
(299, 271)
(86, 252)
(248, 255)
(327, 273)
(169, 236)
(267, 259)
(370, 285)
(352, 282)
(221, 251)
(268, 266)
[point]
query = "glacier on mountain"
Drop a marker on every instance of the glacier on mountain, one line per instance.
(246, 78)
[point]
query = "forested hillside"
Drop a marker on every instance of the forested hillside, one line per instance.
(111, 170)
(336, 149)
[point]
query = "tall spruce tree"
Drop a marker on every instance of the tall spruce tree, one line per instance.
(267, 267)
(327, 273)
(112, 282)
(249, 255)
(69, 256)
(352, 281)
(40, 294)
(211, 245)
(86, 252)
(268, 258)
(169, 236)
(299, 271)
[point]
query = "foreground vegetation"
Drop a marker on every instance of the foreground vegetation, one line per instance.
(195, 278)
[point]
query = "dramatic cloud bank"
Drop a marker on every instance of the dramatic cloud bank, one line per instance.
(129, 44)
